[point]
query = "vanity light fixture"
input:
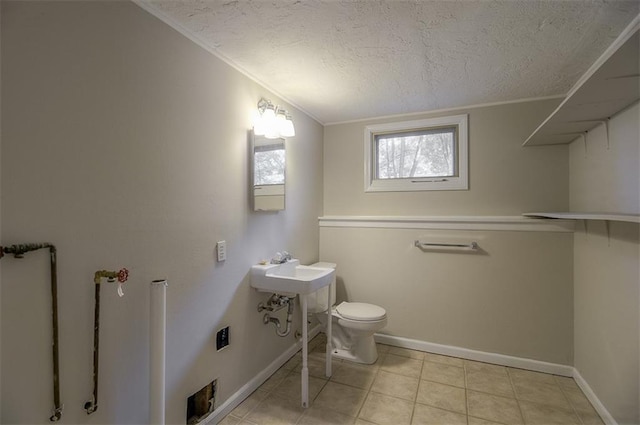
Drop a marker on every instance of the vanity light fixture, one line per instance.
(272, 121)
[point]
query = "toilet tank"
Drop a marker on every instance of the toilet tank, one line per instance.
(317, 301)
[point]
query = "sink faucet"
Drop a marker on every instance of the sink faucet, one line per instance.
(281, 257)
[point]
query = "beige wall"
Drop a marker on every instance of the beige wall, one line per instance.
(516, 297)
(125, 144)
(607, 271)
(607, 178)
(504, 178)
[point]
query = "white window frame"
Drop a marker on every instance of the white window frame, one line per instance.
(459, 182)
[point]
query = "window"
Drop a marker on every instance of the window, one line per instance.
(429, 154)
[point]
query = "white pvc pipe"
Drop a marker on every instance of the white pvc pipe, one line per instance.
(157, 330)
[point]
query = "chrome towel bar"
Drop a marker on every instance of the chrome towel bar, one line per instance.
(471, 246)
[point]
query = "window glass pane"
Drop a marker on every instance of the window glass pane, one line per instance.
(415, 154)
(269, 165)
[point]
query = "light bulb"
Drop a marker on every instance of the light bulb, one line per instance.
(287, 129)
(269, 113)
(271, 132)
(281, 121)
(270, 125)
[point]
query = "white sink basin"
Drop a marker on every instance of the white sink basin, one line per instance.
(290, 278)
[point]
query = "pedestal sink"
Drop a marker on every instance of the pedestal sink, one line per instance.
(290, 278)
(293, 279)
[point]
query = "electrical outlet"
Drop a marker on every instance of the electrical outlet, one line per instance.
(222, 338)
(221, 248)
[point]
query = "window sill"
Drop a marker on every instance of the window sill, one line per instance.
(409, 185)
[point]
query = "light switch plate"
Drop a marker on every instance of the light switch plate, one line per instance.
(221, 249)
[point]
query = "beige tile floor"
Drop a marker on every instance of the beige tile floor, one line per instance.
(414, 388)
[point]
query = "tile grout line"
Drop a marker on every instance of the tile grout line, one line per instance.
(448, 384)
(366, 396)
(415, 397)
(515, 395)
(466, 393)
(268, 393)
(569, 400)
(465, 362)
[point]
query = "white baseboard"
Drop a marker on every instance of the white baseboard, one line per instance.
(481, 356)
(595, 401)
(248, 388)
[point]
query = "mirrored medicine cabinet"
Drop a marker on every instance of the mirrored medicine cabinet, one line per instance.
(268, 169)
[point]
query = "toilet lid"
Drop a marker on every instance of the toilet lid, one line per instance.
(360, 311)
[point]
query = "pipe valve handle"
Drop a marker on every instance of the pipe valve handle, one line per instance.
(123, 275)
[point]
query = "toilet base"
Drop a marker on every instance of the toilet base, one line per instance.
(363, 351)
(353, 344)
(351, 357)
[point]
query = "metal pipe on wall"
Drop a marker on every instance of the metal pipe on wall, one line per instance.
(18, 251)
(122, 275)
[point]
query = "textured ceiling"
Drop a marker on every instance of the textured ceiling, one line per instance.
(345, 60)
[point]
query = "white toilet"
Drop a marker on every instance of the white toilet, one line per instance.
(353, 323)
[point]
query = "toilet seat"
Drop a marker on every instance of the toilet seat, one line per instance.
(361, 311)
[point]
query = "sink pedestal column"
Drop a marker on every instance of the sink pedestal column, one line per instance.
(327, 372)
(305, 349)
